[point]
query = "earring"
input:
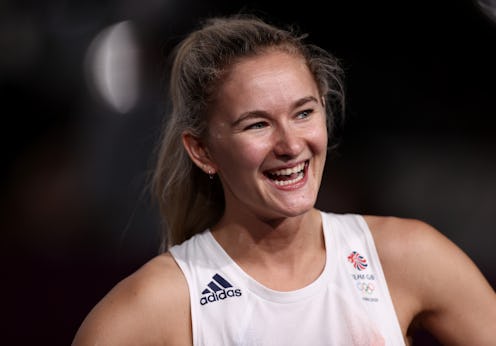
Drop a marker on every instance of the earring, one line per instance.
(210, 174)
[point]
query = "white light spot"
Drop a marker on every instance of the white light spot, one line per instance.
(112, 66)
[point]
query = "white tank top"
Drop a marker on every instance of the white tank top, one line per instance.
(348, 304)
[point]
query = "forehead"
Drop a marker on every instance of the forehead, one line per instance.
(268, 80)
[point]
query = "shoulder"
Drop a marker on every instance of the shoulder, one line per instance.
(395, 236)
(433, 281)
(150, 306)
(417, 247)
(410, 250)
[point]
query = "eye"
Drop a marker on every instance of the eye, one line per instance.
(305, 114)
(255, 126)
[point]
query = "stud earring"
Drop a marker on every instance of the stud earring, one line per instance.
(210, 174)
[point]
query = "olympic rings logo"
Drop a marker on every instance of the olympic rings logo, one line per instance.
(365, 287)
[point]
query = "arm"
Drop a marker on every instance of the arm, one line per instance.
(460, 305)
(149, 307)
(435, 284)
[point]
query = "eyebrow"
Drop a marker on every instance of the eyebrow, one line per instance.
(260, 113)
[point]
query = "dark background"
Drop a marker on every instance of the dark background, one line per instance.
(75, 214)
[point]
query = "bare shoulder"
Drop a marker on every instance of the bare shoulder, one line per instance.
(401, 238)
(419, 248)
(388, 230)
(433, 282)
(151, 306)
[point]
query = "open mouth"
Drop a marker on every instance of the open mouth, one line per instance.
(288, 176)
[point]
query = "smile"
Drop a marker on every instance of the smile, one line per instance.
(288, 176)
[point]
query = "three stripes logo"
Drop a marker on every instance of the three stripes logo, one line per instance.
(218, 289)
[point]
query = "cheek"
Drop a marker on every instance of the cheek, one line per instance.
(317, 137)
(241, 155)
(323, 138)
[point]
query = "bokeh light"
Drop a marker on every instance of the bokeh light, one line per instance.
(113, 66)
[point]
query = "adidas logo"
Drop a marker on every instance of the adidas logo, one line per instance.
(218, 289)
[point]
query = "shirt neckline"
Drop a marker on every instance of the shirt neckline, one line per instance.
(276, 296)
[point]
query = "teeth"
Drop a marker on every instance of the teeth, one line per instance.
(288, 176)
(288, 182)
(289, 171)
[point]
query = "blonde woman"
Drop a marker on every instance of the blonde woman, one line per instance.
(247, 258)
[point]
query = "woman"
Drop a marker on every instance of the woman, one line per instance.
(248, 260)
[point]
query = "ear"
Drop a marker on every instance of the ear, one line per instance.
(198, 153)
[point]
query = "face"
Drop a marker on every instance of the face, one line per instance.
(267, 137)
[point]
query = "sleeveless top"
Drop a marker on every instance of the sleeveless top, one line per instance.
(348, 304)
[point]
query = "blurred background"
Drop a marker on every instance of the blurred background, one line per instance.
(83, 101)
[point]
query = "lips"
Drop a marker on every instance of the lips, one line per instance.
(288, 176)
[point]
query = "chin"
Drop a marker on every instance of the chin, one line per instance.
(294, 210)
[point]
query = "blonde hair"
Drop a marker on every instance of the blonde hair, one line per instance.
(188, 199)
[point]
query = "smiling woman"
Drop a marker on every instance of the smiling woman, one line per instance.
(267, 138)
(247, 258)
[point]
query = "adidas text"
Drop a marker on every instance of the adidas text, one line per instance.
(221, 295)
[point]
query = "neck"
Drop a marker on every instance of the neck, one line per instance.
(250, 239)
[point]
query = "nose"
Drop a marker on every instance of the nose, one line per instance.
(288, 144)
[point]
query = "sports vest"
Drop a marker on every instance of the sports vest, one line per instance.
(348, 304)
